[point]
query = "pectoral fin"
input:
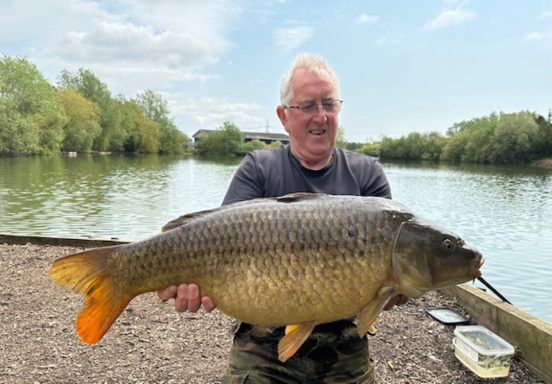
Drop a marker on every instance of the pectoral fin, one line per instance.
(294, 338)
(369, 314)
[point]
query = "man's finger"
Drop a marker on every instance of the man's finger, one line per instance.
(207, 303)
(181, 300)
(167, 293)
(194, 300)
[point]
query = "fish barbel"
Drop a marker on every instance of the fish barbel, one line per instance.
(298, 260)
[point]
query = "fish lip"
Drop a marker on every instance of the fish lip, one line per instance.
(477, 271)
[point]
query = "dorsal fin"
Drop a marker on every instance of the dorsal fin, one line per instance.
(186, 218)
(299, 196)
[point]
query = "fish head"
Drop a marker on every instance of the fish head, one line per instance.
(426, 257)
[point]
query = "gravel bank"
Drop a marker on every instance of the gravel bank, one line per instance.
(151, 343)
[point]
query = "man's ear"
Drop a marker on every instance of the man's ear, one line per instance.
(281, 112)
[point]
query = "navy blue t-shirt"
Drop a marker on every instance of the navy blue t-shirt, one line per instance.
(276, 172)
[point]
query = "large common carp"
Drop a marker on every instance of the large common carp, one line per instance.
(298, 260)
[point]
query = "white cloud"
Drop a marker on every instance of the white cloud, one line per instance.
(388, 40)
(538, 36)
(450, 17)
(210, 112)
(290, 38)
(546, 15)
(124, 43)
(367, 19)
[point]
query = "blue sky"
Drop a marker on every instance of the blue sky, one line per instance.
(403, 66)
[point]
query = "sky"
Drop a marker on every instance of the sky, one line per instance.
(403, 66)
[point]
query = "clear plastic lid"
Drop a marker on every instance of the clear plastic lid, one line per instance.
(483, 341)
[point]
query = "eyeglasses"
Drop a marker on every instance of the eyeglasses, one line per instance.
(311, 107)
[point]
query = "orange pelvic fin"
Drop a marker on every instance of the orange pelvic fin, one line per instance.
(86, 273)
(295, 336)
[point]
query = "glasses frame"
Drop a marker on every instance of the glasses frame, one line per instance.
(316, 109)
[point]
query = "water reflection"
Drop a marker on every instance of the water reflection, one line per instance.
(127, 197)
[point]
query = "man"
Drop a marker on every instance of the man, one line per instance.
(309, 110)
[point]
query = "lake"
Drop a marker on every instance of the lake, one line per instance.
(505, 212)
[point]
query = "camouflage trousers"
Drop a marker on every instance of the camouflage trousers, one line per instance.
(333, 353)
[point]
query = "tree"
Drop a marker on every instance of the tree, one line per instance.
(371, 149)
(113, 135)
(31, 117)
(515, 138)
(143, 133)
(252, 145)
(340, 141)
(226, 140)
(433, 146)
(275, 144)
(83, 124)
(545, 129)
(171, 140)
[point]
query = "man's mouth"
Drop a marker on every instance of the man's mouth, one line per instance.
(317, 132)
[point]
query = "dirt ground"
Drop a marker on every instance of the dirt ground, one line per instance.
(151, 343)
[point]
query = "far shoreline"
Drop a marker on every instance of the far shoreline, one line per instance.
(545, 163)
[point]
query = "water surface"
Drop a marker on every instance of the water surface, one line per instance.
(505, 212)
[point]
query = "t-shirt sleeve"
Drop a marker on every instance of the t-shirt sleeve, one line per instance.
(245, 184)
(376, 183)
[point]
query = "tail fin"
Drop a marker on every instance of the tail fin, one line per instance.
(86, 273)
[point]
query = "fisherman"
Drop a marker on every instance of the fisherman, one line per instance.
(309, 111)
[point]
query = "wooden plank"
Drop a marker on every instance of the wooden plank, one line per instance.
(58, 241)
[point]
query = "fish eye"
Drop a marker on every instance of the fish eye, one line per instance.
(448, 245)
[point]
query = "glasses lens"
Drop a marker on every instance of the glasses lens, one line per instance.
(308, 107)
(329, 106)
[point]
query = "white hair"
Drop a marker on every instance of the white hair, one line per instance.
(310, 61)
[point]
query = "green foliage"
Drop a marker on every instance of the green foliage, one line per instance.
(31, 117)
(80, 115)
(545, 130)
(415, 146)
(83, 124)
(370, 149)
(354, 146)
(340, 141)
(143, 133)
(516, 138)
(171, 140)
(226, 140)
(275, 144)
(113, 135)
(252, 145)
(497, 138)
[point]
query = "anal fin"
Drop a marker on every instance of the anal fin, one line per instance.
(294, 338)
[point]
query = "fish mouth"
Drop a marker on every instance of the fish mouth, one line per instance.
(477, 272)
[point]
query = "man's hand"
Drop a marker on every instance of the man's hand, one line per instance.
(397, 300)
(186, 298)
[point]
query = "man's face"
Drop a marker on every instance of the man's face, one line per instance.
(312, 136)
